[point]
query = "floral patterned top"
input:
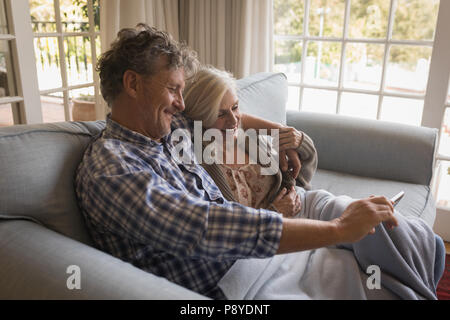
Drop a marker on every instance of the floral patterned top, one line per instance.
(248, 185)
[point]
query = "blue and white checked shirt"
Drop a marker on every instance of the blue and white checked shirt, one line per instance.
(167, 218)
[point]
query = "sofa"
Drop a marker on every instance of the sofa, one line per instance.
(43, 235)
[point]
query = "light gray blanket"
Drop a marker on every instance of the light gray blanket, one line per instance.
(405, 257)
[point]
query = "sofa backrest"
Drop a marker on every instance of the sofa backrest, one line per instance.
(264, 95)
(350, 145)
(37, 166)
(38, 162)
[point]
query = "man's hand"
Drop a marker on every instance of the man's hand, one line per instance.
(362, 216)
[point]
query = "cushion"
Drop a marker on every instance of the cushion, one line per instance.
(371, 148)
(37, 165)
(264, 95)
(35, 262)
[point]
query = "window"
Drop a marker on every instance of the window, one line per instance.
(66, 44)
(376, 59)
(17, 81)
(8, 109)
(365, 58)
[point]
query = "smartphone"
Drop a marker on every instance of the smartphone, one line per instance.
(396, 199)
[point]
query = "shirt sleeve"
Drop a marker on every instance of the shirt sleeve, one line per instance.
(145, 208)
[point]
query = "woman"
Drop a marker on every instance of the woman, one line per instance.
(211, 96)
(244, 182)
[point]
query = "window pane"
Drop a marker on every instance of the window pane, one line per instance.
(6, 115)
(288, 55)
(82, 103)
(368, 19)
(359, 105)
(407, 111)
(288, 17)
(53, 107)
(98, 47)
(444, 147)
(78, 60)
(407, 69)
(363, 65)
(47, 63)
(3, 21)
(443, 180)
(322, 63)
(293, 98)
(7, 85)
(323, 101)
(326, 18)
(415, 19)
(74, 15)
(96, 5)
(42, 15)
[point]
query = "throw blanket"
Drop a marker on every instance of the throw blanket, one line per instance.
(405, 256)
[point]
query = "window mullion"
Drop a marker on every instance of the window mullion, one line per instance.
(99, 112)
(342, 62)
(304, 51)
(387, 48)
(62, 60)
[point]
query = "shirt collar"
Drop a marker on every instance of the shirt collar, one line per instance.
(115, 130)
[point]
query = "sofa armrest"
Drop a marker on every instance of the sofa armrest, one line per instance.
(370, 148)
(34, 262)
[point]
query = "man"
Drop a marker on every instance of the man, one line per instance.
(168, 218)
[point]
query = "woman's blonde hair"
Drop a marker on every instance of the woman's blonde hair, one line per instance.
(204, 92)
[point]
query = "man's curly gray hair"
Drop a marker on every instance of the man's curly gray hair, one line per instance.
(139, 49)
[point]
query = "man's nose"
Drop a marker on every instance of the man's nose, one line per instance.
(179, 102)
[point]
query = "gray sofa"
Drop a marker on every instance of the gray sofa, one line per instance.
(42, 232)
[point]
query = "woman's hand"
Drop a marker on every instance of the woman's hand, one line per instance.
(289, 160)
(287, 203)
(289, 140)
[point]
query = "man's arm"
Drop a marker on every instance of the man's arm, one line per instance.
(145, 208)
(357, 221)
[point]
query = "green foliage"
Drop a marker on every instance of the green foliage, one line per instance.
(74, 16)
(414, 20)
(86, 97)
(288, 17)
(288, 52)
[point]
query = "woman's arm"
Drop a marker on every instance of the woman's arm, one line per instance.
(289, 159)
(252, 122)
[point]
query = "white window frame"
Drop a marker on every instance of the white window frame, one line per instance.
(435, 97)
(60, 34)
(26, 104)
(344, 40)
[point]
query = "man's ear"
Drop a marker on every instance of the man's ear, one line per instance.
(130, 83)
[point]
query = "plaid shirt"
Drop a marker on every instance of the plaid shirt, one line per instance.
(167, 218)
